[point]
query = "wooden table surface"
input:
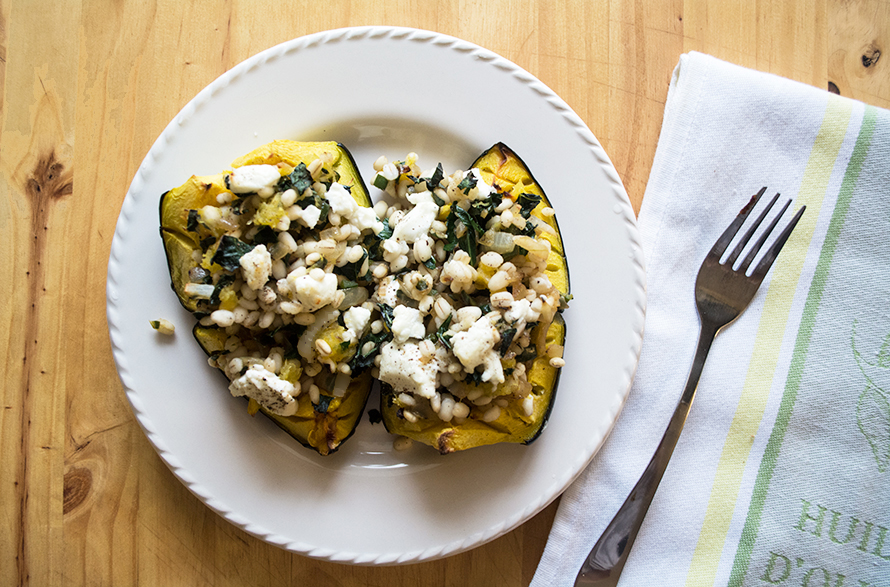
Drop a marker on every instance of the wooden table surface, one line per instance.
(86, 89)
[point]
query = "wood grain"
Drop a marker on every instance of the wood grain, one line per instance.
(86, 89)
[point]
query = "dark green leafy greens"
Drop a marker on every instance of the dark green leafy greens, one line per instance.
(224, 281)
(299, 179)
(527, 203)
(191, 224)
(229, 252)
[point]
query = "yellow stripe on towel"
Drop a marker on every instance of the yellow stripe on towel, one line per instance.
(767, 345)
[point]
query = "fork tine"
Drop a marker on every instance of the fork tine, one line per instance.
(767, 261)
(769, 229)
(730, 232)
(744, 241)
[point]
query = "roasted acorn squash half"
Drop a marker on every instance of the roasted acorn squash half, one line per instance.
(500, 167)
(193, 235)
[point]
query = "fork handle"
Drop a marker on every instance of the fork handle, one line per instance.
(603, 565)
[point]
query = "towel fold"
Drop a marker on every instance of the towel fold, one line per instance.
(782, 474)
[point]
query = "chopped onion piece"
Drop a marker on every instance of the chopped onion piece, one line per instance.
(340, 385)
(198, 290)
(353, 296)
(499, 242)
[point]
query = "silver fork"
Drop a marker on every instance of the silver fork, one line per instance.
(722, 293)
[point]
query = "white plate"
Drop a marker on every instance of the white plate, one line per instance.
(378, 90)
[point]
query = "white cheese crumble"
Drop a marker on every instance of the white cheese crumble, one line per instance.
(387, 291)
(416, 223)
(252, 178)
(269, 390)
(256, 267)
(314, 290)
(344, 204)
(310, 215)
(356, 320)
(404, 369)
(476, 347)
(341, 200)
(407, 323)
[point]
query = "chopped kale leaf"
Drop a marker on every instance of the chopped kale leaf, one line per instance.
(387, 230)
(438, 175)
(474, 378)
(191, 224)
(527, 202)
(506, 340)
(351, 270)
(324, 402)
(467, 219)
(325, 210)
(224, 281)
(229, 252)
(207, 242)
(450, 234)
(516, 252)
(363, 360)
(530, 352)
(266, 235)
(299, 179)
(442, 333)
(386, 314)
(467, 183)
(468, 244)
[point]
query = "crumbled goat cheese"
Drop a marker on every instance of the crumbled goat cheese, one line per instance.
(387, 291)
(416, 223)
(407, 323)
(344, 204)
(270, 391)
(476, 347)
(341, 200)
(252, 178)
(315, 290)
(403, 368)
(310, 215)
(521, 312)
(256, 266)
(356, 320)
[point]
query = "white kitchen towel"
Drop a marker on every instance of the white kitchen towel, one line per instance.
(782, 474)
